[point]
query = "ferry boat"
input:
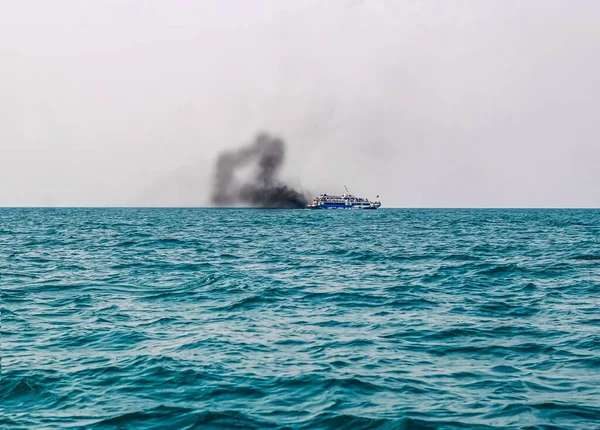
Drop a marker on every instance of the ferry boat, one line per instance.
(345, 201)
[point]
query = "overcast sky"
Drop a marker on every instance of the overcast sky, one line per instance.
(484, 103)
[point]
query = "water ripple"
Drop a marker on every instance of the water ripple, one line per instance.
(389, 319)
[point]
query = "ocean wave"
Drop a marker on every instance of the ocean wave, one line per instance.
(192, 318)
(182, 418)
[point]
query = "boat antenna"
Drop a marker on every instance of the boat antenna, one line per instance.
(346, 188)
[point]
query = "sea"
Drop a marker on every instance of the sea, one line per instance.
(125, 318)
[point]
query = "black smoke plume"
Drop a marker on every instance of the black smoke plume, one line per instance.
(264, 190)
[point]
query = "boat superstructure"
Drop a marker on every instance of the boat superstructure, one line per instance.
(344, 201)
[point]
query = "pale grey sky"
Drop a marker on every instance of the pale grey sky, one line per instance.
(484, 103)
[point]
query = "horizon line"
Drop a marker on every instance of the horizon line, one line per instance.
(254, 207)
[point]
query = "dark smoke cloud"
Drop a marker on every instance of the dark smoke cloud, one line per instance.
(264, 190)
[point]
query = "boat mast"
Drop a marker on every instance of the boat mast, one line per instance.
(347, 199)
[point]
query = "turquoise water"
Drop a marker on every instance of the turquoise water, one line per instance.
(216, 318)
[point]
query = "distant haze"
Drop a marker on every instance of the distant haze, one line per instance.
(427, 103)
